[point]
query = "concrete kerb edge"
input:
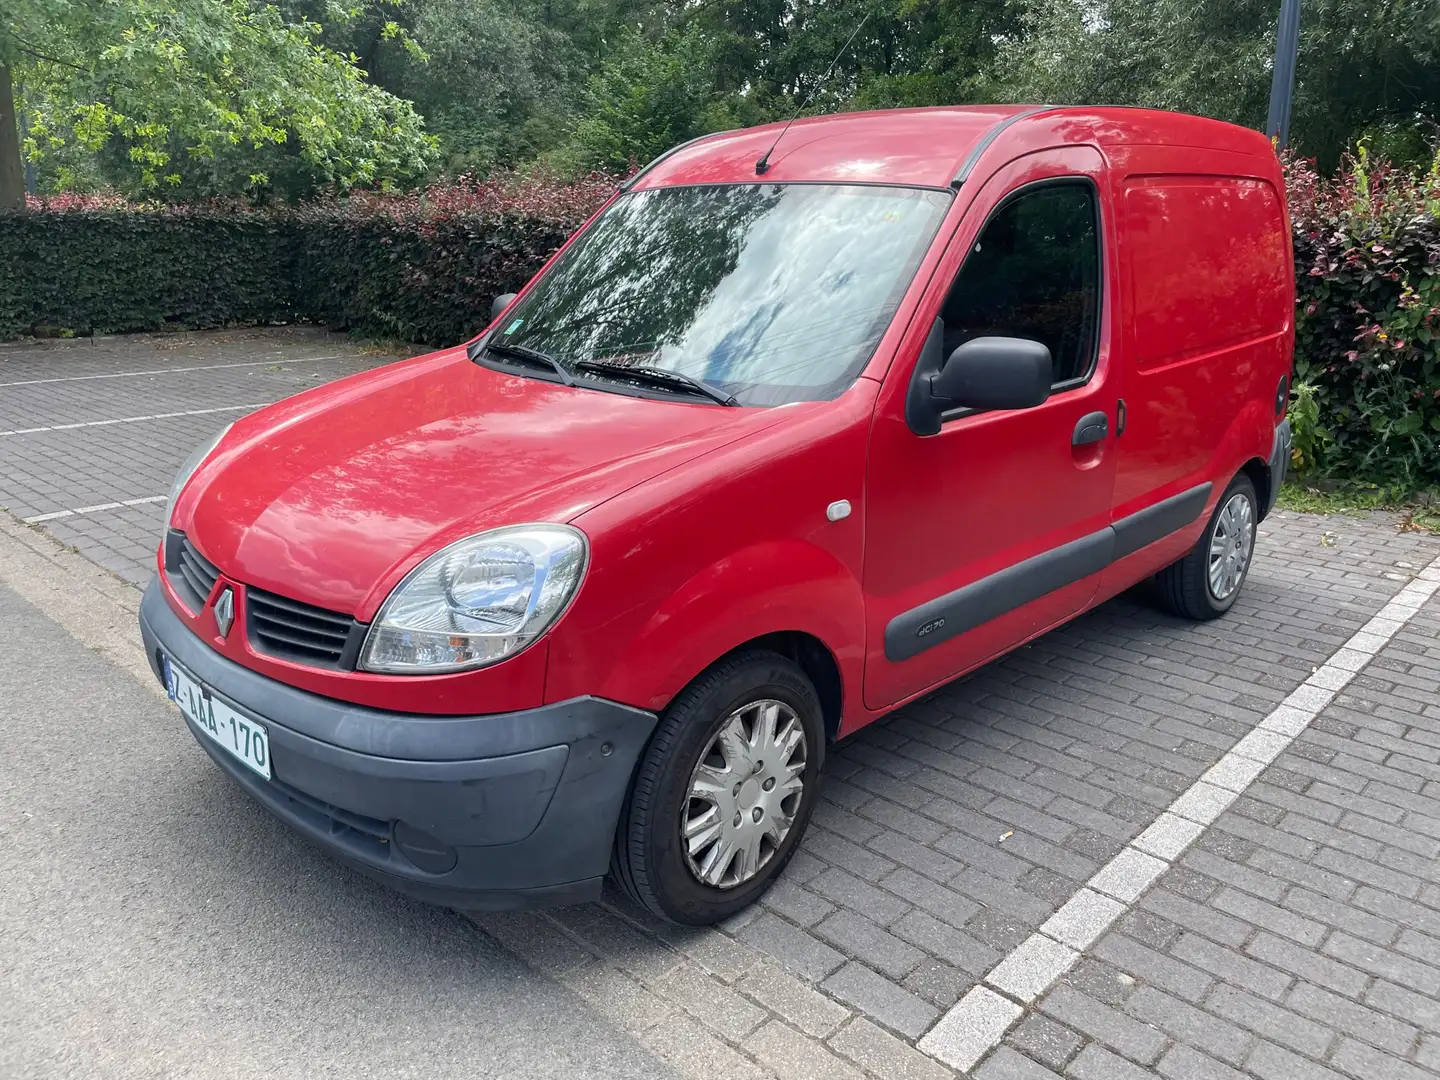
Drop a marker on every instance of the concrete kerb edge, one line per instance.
(91, 604)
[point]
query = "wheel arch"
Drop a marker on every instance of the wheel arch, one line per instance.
(1259, 473)
(791, 597)
(814, 658)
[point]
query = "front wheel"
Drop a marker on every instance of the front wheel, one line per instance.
(1205, 583)
(724, 791)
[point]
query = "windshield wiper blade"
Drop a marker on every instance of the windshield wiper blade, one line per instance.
(523, 352)
(660, 377)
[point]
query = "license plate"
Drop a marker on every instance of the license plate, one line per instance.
(235, 733)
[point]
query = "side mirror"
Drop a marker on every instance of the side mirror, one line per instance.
(994, 373)
(499, 304)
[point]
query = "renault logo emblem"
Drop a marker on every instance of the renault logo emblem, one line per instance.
(225, 611)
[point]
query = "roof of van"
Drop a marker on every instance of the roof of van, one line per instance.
(929, 147)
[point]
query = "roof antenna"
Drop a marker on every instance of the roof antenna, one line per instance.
(764, 163)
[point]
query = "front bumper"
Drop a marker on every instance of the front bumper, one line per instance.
(494, 811)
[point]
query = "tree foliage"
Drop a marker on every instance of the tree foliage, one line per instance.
(187, 98)
(1366, 67)
(162, 92)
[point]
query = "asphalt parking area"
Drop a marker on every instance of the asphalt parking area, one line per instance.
(1240, 819)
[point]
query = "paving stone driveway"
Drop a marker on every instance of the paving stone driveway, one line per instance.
(1298, 936)
(84, 425)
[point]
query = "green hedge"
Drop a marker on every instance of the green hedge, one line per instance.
(425, 267)
(432, 283)
(420, 268)
(111, 271)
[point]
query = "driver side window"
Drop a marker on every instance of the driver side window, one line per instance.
(1034, 273)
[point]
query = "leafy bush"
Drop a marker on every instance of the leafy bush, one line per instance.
(421, 267)
(1367, 348)
(425, 267)
(84, 268)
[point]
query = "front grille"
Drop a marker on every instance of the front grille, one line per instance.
(301, 632)
(191, 575)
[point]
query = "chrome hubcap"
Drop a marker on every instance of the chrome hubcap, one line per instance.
(744, 794)
(1230, 546)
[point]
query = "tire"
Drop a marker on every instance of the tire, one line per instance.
(659, 867)
(1186, 586)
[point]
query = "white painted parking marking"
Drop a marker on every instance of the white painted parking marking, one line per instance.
(134, 419)
(1204, 802)
(1128, 874)
(38, 518)
(1167, 837)
(1285, 720)
(1082, 920)
(1032, 967)
(1265, 746)
(971, 1029)
(978, 1022)
(178, 370)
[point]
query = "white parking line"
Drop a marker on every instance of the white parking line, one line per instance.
(175, 370)
(978, 1022)
(94, 509)
(132, 419)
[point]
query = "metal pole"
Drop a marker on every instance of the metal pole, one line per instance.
(1282, 84)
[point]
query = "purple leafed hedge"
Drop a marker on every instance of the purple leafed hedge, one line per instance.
(1367, 344)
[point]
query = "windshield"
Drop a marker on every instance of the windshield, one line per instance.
(769, 292)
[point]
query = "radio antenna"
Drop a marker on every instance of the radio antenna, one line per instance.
(764, 162)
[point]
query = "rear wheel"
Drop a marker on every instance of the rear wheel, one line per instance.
(724, 791)
(1205, 583)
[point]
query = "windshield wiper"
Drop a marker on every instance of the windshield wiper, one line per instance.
(659, 377)
(533, 356)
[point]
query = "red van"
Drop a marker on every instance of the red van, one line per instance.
(783, 438)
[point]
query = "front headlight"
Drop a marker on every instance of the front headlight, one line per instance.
(194, 461)
(477, 601)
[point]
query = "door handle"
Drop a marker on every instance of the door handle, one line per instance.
(1091, 428)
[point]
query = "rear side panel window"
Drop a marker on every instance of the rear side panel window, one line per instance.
(1034, 273)
(1206, 265)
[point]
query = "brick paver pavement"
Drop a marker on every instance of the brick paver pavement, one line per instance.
(1298, 936)
(85, 424)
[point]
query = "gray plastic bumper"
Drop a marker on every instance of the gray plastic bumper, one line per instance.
(493, 811)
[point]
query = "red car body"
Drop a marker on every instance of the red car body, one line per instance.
(708, 527)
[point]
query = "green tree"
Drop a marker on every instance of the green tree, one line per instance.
(169, 86)
(647, 96)
(500, 84)
(706, 66)
(1364, 65)
(12, 182)
(498, 81)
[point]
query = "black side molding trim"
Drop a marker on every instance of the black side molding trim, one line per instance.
(964, 609)
(912, 632)
(1279, 463)
(968, 165)
(1159, 521)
